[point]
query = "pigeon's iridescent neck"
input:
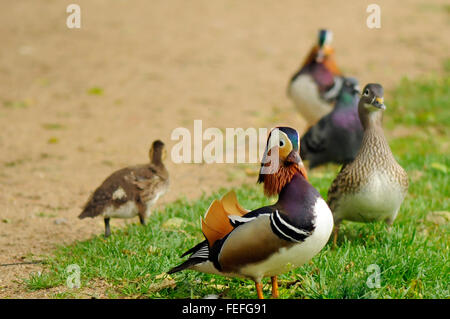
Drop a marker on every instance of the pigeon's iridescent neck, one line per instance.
(346, 113)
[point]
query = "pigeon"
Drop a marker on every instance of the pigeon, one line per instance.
(337, 137)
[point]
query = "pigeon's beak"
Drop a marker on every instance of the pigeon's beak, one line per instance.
(379, 103)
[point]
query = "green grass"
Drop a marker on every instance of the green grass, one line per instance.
(413, 256)
(423, 103)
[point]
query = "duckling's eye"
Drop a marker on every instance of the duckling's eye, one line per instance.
(366, 92)
(282, 143)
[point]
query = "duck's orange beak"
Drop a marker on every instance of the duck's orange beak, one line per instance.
(379, 103)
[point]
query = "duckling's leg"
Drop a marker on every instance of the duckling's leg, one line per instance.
(259, 290)
(335, 234)
(107, 229)
(141, 212)
(275, 293)
(142, 219)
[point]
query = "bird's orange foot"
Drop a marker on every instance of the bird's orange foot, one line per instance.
(259, 290)
(275, 293)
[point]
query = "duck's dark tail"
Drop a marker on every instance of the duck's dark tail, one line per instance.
(199, 254)
(91, 210)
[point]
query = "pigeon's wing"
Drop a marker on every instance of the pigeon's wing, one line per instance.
(315, 139)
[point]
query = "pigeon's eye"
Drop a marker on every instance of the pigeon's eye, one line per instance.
(366, 92)
(282, 143)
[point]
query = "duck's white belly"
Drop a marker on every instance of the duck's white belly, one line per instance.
(378, 200)
(127, 210)
(289, 258)
(305, 94)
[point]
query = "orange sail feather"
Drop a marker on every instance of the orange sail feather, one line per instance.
(216, 224)
(231, 204)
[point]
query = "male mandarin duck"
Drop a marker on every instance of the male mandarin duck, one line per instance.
(130, 191)
(373, 186)
(272, 239)
(314, 88)
(338, 135)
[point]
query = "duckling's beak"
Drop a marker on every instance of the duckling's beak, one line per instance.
(293, 157)
(379, 103)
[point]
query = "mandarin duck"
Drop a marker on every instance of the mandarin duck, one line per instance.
(373, 186)
(314, 88)
(337, 136)
(130, 191)
(270, 240)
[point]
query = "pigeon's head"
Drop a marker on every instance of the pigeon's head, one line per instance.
(349, 93)
(351, 85)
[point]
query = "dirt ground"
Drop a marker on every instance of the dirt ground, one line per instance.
(77, 104)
